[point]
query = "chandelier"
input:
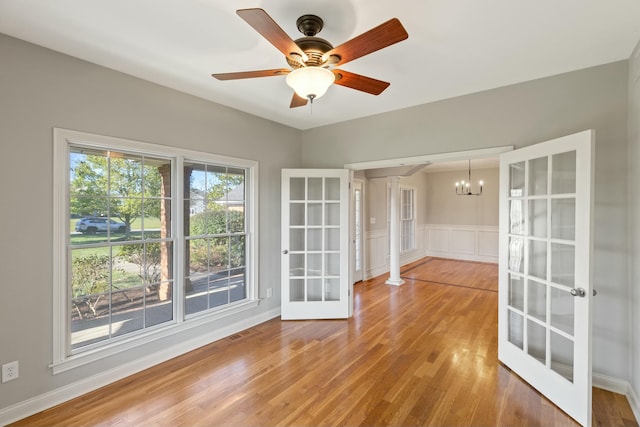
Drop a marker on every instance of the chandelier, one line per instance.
(463, 188)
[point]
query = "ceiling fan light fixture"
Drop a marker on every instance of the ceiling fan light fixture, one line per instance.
(310, 82)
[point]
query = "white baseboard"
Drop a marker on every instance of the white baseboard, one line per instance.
(634, 402)
(611, 384)
(60, 395)
(619, 386)
(407, 258)
(378, 271)
(463, 257)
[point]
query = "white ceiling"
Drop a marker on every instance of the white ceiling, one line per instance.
(455, 47)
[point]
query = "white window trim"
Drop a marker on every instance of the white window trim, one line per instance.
(415, 220)
(413, 215)
(62, 138)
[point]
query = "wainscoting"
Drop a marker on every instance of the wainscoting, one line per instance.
(465, 242)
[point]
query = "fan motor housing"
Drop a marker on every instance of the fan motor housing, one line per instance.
(314, 47)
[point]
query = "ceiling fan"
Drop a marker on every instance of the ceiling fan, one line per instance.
(312, 59)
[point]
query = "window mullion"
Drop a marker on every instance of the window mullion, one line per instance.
(178, 199)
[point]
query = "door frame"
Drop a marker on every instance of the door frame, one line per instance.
(430, 158)
(418, 160)
(363, 267)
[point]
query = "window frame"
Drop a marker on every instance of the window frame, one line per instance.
(412, 190)
(414, 211)
(63, 358)
(190, 237)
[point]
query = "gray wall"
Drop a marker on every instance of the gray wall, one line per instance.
(376, 204)
(442, 206)
(634, 202)
(436, 200)
(520, 115)
(376, 200)
(40, 90)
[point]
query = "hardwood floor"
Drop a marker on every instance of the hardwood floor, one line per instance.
(424, 353)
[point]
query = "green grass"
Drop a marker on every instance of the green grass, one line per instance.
(87, 239)
(90, 251)
(124, 280)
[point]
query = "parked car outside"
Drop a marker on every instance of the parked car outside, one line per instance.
(93, 225)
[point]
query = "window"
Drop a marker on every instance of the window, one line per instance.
(121, 245)
(407, 219)
(148, 242)
(215, 236)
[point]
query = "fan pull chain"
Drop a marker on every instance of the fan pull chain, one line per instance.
(311, 98)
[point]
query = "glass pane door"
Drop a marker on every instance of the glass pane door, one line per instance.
(315, 244)
(544, 262)
(541, 271)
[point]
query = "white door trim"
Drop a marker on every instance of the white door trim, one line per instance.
(431, 158)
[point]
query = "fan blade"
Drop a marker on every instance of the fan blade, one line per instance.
(377, 38)
(359, 82)
(251, 74)
(270, 30)
(297, 101)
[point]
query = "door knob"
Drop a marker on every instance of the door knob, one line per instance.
(578, 292)
(285, 252)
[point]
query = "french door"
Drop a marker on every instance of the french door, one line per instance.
(315, 244)
(545, 288)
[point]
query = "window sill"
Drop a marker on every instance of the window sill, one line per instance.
(90, 356)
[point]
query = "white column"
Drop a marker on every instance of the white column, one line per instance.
(394, 234)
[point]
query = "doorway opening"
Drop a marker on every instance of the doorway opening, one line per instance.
(467, 237)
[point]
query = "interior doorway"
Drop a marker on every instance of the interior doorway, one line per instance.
(374, 241)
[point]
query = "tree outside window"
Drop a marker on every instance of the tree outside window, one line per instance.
(120, 276)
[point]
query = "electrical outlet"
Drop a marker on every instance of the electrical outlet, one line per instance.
(269, 292)
(10, 371)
